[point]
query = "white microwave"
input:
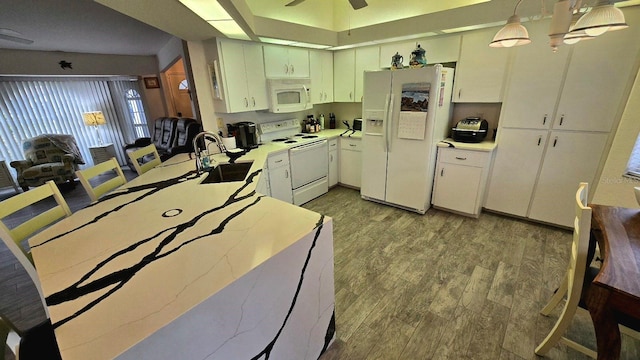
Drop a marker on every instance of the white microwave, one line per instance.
(289, 95)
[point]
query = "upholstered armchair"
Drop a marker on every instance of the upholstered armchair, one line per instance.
(48, 157)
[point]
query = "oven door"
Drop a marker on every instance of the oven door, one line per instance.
(309, 163)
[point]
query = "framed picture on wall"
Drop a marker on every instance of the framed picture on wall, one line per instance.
(214, 73)
(151, 82)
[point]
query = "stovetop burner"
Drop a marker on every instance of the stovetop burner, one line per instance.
(279, 140)
(309, 136)
(290, 142)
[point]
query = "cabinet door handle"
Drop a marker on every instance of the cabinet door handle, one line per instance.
(253, 101)
(459, 93)
(246, 102)
(331, 157)
(461, 158)
(544, 121)
(539, 140)
(442, 172)
(286, 174)
(350, 95)
(352, 145)
(286, 69)
(278, 161)
(325, 96)
(555, 141)
(293, 69)
(561, 119)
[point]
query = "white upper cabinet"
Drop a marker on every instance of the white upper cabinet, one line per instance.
(481, 70)
(344, 75)
(286, 61)
(321, 71)
(437, 50)
(597, 78)
(348, 71)
(535, 81)
(367, 58)
(243, 81)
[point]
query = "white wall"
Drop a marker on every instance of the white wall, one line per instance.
(25, 62)
(613, 188)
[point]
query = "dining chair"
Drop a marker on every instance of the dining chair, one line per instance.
(38, 342)
(143, 154)
(13, 237)
(576, 282)
(95, 192)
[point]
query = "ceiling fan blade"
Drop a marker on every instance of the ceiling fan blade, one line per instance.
(358, 4)
(10, 35)
(294, 2)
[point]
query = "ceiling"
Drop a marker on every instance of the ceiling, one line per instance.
(77, 26)
(143, 27)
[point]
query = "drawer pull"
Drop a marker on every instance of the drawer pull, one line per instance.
(278, 161)
(561, 119)
(352, 145)
(461, 158)
(442, 172)
(539, 140)
(555, 141)
(544, 121)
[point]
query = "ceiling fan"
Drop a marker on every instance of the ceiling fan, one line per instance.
(356, 4)
(10, 35)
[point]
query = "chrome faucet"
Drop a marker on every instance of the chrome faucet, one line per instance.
(196, 148)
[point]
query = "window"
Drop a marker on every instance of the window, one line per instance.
(184, 85)
(633, 166)
(136, 111)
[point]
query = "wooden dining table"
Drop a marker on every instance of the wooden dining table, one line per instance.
(169, 267)
(615, 292)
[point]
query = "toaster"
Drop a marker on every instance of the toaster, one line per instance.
(470, 130)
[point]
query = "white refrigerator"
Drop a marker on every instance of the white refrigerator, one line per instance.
(405, 114)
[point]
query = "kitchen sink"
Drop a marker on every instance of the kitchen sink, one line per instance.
(228, 173)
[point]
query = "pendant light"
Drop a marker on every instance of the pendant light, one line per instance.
(602, 18)
(512, 34)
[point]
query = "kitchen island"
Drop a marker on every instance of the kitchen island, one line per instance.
(170, 268)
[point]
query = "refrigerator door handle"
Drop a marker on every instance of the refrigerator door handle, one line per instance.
(388, 126)
(384, 123)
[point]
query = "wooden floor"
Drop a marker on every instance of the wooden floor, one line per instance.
(409, 286)
(443, 286)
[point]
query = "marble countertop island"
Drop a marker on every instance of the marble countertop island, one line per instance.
(169, 268)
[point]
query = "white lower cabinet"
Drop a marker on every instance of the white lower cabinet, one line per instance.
(333, 162)
(460, 180)
(571, 158)
(263, 186)
(280, 177)
(350, 162)
(536, 173)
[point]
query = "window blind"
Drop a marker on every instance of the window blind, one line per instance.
(31, 107)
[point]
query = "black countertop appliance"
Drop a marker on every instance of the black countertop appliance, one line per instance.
(245, 133)
(470, 130)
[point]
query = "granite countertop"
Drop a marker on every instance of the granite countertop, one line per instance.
(101, 268)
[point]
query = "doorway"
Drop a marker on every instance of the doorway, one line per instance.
(179, 93)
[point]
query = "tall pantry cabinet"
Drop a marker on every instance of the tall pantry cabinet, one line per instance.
(557, 115)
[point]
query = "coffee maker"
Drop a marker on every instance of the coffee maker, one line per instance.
(245, 133)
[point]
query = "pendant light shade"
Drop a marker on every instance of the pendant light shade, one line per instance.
(512, 34)
(602, 18)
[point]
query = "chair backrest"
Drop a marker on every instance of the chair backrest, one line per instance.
(144, 154)
(186, 130)
(95, 192)
(164, 133)
(13, 237)
(580, 245)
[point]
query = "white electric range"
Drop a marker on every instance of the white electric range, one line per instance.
(308, 158)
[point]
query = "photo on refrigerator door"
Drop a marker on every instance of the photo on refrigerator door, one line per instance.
(415, 97)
